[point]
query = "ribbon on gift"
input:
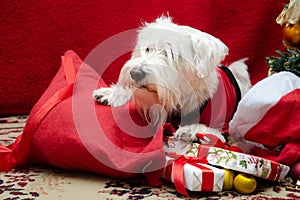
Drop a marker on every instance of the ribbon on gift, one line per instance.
(210, 140)
(178, 172)
(208, 176)
(213, 141)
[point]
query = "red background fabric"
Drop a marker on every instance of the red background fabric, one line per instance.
(33, 36)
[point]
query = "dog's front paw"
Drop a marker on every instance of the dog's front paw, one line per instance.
(102, 95)
(113, 96)
(188, 133)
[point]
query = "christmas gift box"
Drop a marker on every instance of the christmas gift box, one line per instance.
(193, 174)
(240, 162)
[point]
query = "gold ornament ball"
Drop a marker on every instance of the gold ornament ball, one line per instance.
(228, 179)
(244, 183)
(291, 35)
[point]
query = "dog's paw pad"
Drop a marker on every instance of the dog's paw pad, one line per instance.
(113, 96)
(101, 96)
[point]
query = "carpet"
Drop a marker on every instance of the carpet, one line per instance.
(46, 182)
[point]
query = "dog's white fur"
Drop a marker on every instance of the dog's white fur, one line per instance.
(179, 64)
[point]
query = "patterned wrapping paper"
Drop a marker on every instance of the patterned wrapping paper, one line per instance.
(194, 173)
(240, 162)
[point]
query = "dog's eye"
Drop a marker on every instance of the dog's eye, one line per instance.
(147, 50)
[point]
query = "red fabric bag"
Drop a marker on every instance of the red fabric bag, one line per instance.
(68, 129)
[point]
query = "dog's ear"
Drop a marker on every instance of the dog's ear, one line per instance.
(208, 52)
(164, 19)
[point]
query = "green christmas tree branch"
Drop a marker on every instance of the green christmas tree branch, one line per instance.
(288, 61)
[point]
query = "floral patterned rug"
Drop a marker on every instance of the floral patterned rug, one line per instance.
(45, 182)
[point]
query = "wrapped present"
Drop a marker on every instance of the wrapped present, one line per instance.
(240, 162)
(191, 173)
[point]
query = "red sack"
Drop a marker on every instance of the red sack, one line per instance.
(266, 122)
(68, 129)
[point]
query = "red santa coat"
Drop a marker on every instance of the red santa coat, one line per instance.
(219, 110)
(267, 119)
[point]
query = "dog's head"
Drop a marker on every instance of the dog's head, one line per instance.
(175, 63)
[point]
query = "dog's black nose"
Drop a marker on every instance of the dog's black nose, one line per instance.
(137, 74)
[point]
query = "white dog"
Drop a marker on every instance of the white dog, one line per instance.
(178, 67)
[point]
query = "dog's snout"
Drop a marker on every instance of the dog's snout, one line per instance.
(137, 74)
